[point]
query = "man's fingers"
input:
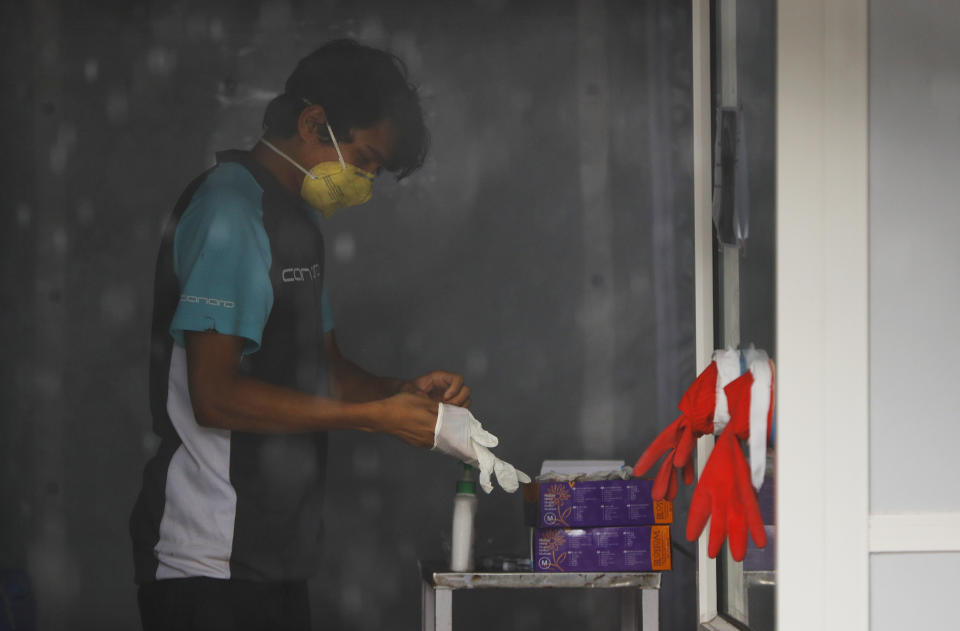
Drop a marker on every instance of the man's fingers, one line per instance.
(462, 396)
(455, 384)
(431, 382)
(444, 386)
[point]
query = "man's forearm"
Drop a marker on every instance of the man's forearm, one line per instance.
(224, 398)
(353, 384)
(250, 405)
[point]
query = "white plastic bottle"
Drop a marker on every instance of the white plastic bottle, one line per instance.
(464, 510)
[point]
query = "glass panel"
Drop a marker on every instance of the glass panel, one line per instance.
(914, 157)
(745, 120)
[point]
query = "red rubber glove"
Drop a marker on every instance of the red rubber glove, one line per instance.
(739, 396)
(725, 493)
(678, 439)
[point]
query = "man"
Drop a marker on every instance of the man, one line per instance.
(246, 376)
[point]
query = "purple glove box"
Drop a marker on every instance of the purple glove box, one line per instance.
(590, 503)
(619, 549)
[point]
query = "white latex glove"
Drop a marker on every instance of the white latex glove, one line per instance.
(456, 432)
(460, 435)
(759, 364)
(508, 476)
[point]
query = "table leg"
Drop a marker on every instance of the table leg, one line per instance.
(427, 599)
(443, 609)
(651, 609)
(628, 609)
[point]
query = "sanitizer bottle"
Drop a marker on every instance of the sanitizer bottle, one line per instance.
(464, 510)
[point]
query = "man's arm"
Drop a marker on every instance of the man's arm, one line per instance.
(349, 382)
(225, 399)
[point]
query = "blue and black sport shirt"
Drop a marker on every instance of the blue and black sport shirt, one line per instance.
(242, 257)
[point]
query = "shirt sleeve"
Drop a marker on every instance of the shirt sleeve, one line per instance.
(222, 260)
(326, 312)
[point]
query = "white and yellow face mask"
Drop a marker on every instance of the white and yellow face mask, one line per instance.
(330, 186)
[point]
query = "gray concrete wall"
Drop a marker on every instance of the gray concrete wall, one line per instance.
(476, 264)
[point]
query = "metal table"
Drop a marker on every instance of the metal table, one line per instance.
(436, 612)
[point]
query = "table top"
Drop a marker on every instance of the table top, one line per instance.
(438, 576)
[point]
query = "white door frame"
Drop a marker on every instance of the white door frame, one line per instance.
(822, 316)
(708, 614)
(703, 264)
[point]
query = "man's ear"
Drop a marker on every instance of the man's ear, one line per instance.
(312, 125)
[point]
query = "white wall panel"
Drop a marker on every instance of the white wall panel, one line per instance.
(913, 591)
(914, 254)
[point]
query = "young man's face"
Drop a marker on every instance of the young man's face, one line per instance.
(368, 149)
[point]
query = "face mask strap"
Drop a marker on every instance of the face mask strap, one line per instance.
(288, 158)
(336, 145)
(343, 165)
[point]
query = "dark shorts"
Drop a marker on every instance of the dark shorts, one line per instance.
(211, 604)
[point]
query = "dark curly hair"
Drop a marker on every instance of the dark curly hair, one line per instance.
(358, 86)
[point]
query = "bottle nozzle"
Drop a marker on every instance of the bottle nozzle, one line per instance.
(466, 483)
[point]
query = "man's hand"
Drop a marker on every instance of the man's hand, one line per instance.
(410, 417)
(441, 386)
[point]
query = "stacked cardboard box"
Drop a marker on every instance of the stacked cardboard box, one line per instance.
(598, 526)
